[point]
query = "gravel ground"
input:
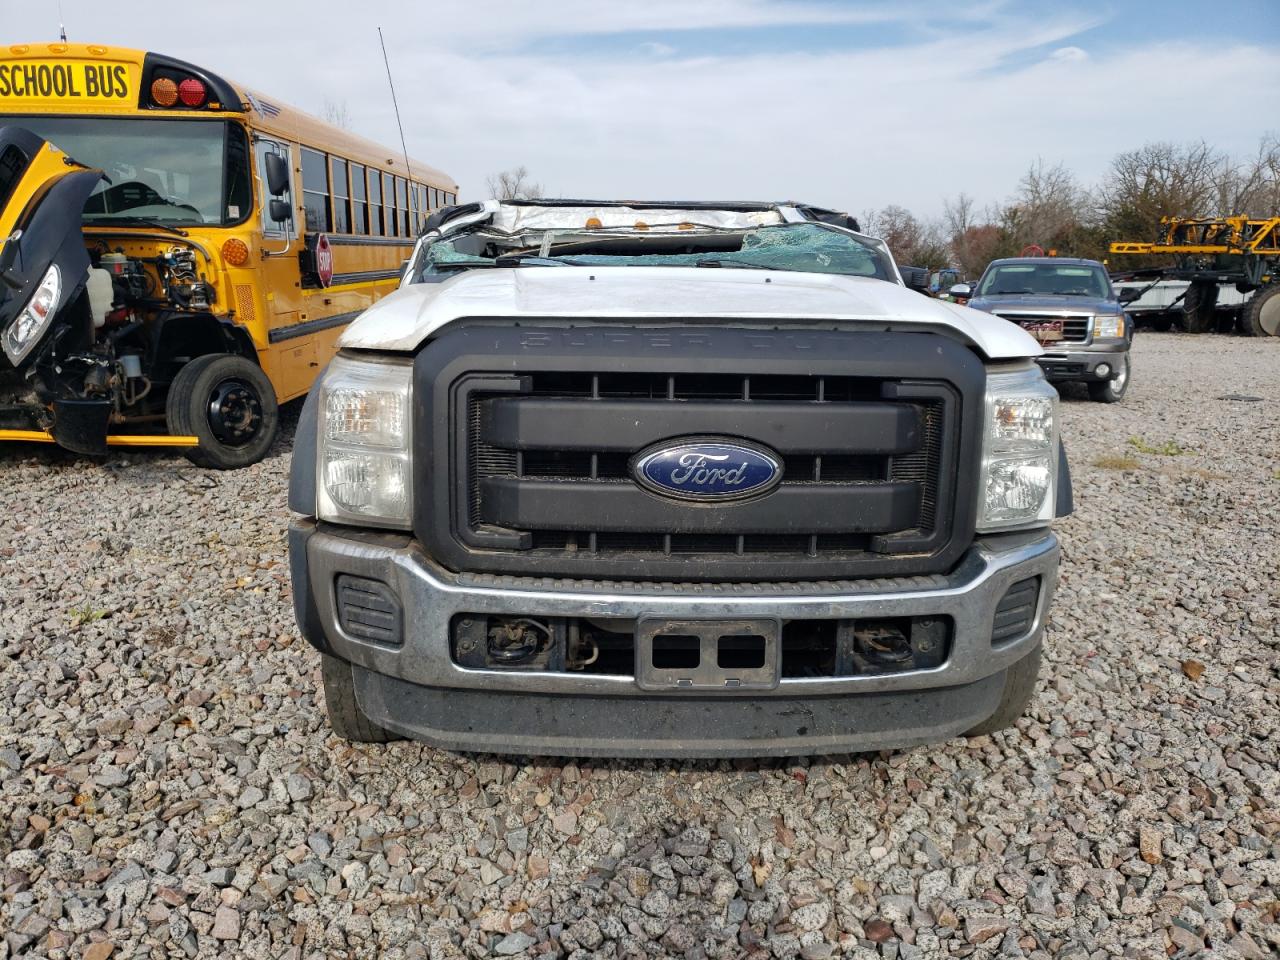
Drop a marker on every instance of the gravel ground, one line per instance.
(169, 788)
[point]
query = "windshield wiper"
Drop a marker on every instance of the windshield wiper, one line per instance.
(532, 260)
(137, 222)
(733, 264)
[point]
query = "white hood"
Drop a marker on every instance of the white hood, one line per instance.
(408, 317)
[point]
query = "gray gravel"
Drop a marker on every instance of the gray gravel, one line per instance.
(168, 786)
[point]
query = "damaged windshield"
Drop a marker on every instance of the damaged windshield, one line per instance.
(804, 247)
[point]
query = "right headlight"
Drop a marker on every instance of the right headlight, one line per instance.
(1019, 452)
(364, 473)
(34, 319)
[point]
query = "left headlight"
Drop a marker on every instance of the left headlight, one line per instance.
(364, 473)
(1019, 452)
(1109, 325)
(34, 319)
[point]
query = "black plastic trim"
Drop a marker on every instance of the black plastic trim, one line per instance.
(302, 468)
(1066, 503)
(277, 334)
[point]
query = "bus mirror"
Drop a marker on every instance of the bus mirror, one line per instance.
(277, 175)
(281, 212)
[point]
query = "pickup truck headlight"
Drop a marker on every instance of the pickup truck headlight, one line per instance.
(34, 319)
(365, 428)
(1019, 452)
(1108, 326)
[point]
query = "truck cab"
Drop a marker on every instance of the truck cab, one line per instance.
(675, 479)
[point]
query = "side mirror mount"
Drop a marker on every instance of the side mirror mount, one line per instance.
(280, 211)
(277, 174)
(1130, 294)
(961, 291)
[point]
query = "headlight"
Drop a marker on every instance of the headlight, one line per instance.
(1111, 325)
(1019, 452)
(365, 430)
(29, 325)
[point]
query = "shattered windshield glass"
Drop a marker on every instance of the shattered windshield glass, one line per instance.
(805, 247)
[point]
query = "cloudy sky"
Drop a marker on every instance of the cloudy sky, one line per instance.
(847, 104)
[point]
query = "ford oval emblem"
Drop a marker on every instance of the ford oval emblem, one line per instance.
(707, 470)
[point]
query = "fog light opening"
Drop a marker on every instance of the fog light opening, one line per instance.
(1103, 371)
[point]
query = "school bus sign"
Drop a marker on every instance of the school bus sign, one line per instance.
(68, 80)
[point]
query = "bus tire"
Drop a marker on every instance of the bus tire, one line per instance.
(229, 405)
(346, 719)
(1198, 307)
(1261, 315)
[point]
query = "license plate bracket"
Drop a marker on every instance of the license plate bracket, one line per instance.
(708, 655)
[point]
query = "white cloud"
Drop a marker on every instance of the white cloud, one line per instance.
(911, 123)
(657, 49)
(1069, 55)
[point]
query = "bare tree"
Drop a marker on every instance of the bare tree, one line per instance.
(513, 184)
(1159, 180)
(1048, 207)
(336, 113)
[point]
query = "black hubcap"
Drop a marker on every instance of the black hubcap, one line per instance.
(235, 412)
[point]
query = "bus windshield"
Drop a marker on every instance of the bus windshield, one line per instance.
(176, 171)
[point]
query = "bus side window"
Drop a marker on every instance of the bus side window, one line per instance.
(389, 204)
(315, 191)
(359, 199)
(402, 207)
(341, 203)
(375, 204)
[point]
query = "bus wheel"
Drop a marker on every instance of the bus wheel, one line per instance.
(229, 404)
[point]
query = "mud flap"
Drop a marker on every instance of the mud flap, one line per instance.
(81, 425)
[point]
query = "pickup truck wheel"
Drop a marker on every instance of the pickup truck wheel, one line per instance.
(1019, 685)
(345, 716)
(227, 403)
(1111, 391)
(1261, 315)
(1198, 307)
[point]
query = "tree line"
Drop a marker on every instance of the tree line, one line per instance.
(1051, 209)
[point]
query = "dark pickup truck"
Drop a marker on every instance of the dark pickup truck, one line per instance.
(1069, 306)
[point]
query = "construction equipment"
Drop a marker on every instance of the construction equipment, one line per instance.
(1212, 251)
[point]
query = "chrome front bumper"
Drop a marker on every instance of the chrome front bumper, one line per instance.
(432, 596)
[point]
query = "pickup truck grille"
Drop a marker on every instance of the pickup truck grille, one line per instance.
(537, 448)
(1075, 328)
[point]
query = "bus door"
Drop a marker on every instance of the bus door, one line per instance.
(294, 358)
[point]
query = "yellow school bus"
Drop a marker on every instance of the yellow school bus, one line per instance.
(178, 254)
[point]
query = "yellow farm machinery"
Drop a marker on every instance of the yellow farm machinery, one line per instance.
(1210, 252)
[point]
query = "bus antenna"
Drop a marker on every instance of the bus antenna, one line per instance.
(62, 25)
(391, 84)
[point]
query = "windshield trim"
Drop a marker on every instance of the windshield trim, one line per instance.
(17, 117)
(989, 275)
(420, 272)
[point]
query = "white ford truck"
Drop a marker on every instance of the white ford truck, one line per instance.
(673, 479)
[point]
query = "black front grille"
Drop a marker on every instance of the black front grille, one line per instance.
(531, 465)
